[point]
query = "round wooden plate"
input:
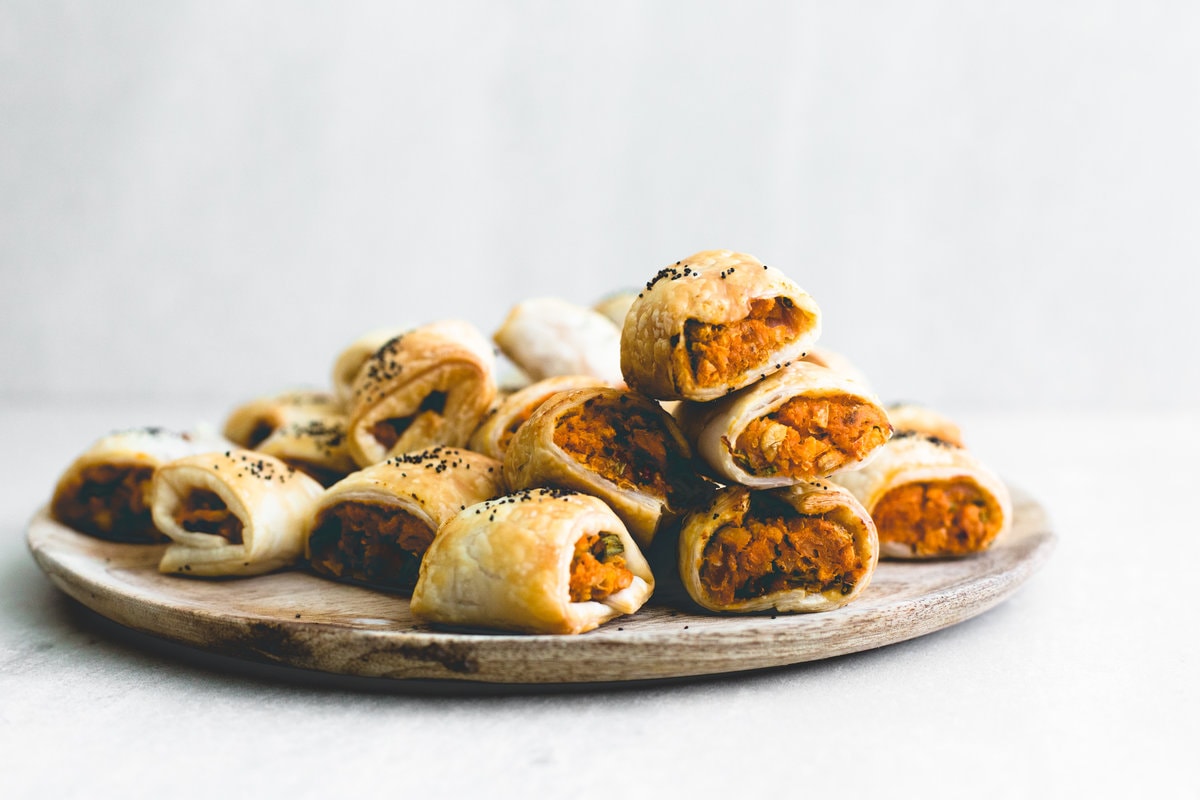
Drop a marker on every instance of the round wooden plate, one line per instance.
(303, 621)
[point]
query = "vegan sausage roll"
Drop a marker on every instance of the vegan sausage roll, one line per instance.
(428, 387)
(831, 359)
(546, 336)
(374, 526)
(712, 324)
(106, 491)
(236, 512)
(304, 429)
(799, 423)
(350, 361)
(616, 306)
(497, 429)
(908, 418)
(615, 444)
(930, 499)
(537, 561)
(807, 547)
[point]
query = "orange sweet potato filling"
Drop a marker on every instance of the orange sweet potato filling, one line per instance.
(370, 543)
(774, 549)
(110, 502)
(938, 518)
(811, 436)
(203, 511)
(714, 354)
(598, 568)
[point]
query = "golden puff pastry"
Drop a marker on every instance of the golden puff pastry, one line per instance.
(428, 387)
(499, 426)
(806, 547)
(547, 336)
(537, 561)
(106, 491)
(930, 499)
(713, 323)
(799, 423)
(617, 445)
(304, 429)
(236, 512)
(831, 359)
(908, 418)
(616, 306)
(374, 526)
(348, 363)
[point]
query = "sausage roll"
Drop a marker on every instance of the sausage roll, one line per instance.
(105, 492)
(617, 445)
(547, 337)
(712, 324)
(806, 547)
(304, 429)
(350, 361)
(930, 499)
(824, 357)
(374, 526)
(235, 512)
(538, 561)
(428, 387)
(908, 418)
(616, 306)
(799, 423)
(492, 436)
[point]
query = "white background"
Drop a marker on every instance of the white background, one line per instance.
(997, 205)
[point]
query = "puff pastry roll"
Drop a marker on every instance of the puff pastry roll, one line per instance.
(538, 561)
(497, 429)
(713, 323)
(350, 360)
(229, 513)
(428, 387)
(824, 357)
(616, 306)
(374, 526)
(799, 423)
(304, 429)
(908, 418)
(617, 445)
(930, 499)
(807, 547)
(546, 336)
(106, 491)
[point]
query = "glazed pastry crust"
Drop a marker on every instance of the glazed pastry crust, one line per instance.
(715, 427)
(493, 435)
(910, 418)
(350, 361)
(505, 564)
(449, 357)
(273, 501)
(915, 458)
(304, 429)
(546, 336)
(831, 359)
(730, 505)
(714, 287)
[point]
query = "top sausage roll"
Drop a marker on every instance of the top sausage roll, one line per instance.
(617, 445)
(908, 418)
(497, 429)
(229, 513)
(350, 360)
(304, 429)
(714, 323)
(428, 387)
(546, 336)
(930, 499)
(799, 423)
(106, 491)
(807, 547)
(537, 561)
(374, 526)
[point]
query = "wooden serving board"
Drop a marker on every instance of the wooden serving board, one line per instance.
(297, 619)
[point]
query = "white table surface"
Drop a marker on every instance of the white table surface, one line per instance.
(1084, 683)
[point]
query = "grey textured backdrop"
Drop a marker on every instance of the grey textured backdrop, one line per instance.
(997, 205)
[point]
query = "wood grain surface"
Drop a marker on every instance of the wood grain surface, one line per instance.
(297, 619)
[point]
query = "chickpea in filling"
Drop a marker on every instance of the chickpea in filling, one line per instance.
(811, 436)
(388, 431)
(598, 567)
(371, 543)
(203, 511)
(715, 353)
(773, 548)
(938, 518)
(111, 502)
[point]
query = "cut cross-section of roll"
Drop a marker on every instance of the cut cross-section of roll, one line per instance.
(494, 434)
(374, 526)
(807, 547)
(713, 323)
(537, 561)
(236, 512)
(304, 429)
